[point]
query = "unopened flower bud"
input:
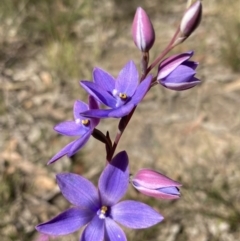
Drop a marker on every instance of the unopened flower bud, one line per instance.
(178, 72)
(155, 184)
(142, 31)
(191, 19)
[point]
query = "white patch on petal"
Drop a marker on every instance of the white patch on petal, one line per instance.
(115, 92)
(102, 216)
(78, 121)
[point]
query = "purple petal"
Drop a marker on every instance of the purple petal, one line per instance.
(99, 93)
(94, 230)
(79, 107)
(181, 74)
(181, 86)
(78, 191)
(113, 231)
(114, 113)
(103, 79)
(62, 152)
(121, 111)
(66, 222)
(135, 215)
(79, 143)
(141, 90)
(97, 113)
(170, 190)
(160, 193)
(114, 179)
(127, 80)
(151, 179)
(191, 64)
(70, 128)
(171, 63)
(93, 104)
(177, 57)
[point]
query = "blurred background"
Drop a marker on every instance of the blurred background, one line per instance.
(46, 47)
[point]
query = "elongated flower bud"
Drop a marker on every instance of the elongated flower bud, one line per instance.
(142, 31)
(191, 19)
(155, 184)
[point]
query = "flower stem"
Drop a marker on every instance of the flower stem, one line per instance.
(169, 47)
(121, 127)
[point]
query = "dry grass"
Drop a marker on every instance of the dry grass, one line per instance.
(230, 37)
(47, 46)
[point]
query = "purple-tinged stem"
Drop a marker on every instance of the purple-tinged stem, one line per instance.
(170, 46)
(144, 62)
(121, 127)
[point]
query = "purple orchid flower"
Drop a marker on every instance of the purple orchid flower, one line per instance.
(155, 184)
(121, 95)
(81, 126)
(177, 72)
(99, 209)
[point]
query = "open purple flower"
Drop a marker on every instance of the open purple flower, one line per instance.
(155, 184)
(177, 72)
(99, 209)
(81, 126)
(121, 95)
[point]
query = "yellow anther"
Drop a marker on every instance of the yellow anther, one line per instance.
(85, 122)
(123, 96)
(104, 209)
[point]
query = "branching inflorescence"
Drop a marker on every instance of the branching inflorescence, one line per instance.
(99, 208)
